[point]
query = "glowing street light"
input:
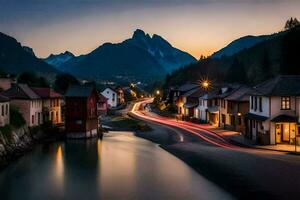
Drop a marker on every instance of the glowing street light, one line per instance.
(157, 92)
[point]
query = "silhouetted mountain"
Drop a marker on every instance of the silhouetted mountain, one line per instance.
(239, 45)
(29, 50)
(16, 59)
(141, 57)
(58, 59)
(266, 59)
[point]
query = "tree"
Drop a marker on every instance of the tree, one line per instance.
(290, 61)
(237, 73)
(266, 66)
(32, 80)
(63, 81)
(291, 23)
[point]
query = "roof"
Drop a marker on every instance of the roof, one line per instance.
(187, 87)
(240, 94)
(3, 98)
(190, 105)
(284, 118)
(79, 91)
(194, 92)
(46, 92)
(102, 98)
(284, 85)
(20, 91)
(256, 117)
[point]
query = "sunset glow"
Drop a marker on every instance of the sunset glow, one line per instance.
(200, 27)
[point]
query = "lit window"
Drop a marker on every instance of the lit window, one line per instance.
(285, 103)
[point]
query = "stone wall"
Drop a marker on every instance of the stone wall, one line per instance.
(14, 144)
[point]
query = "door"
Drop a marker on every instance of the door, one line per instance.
(278, 133)
(285, 131)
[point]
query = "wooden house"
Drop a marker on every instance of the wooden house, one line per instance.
(81, 116)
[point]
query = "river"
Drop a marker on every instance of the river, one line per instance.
(121, 166)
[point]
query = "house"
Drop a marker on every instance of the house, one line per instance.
(212, 105)
(27, 101)
(237, 106)
(102, 105)
(191, 101)
(4, 110)
(81, 117)
(178, 98)
(115, 96)
(51, 102)
(273, 116)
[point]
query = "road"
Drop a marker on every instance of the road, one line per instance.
(245, 172)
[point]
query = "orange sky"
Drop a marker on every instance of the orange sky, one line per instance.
(198, 27)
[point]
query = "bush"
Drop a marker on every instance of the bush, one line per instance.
(16, 118)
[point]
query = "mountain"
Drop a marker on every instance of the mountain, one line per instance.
(16, 59)
(239, 45)
(58, 59)
(29, 50)
(168, 56)
(141, 57)
(274, 56)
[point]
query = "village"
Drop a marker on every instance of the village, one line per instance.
(266, 115)
(78, 112)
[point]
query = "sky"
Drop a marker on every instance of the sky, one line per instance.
(196, 26)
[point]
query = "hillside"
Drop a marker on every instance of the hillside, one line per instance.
(16, 59)
(276, 55)
(141, 57)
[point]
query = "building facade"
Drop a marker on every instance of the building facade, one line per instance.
(51, 103)
(27, 102)
(115, 96)
(81, 117)
(273, 116)
(4, 110)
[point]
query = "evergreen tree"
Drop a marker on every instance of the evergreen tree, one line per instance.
(237, 73)
(63, 81)
(266, 66)
(291, 23)
(290, 61)
(32, 80)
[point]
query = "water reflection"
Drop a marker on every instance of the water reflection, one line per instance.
(59, 169)
(119, 167)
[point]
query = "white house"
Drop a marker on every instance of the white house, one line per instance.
(114, 96)
(273, 116)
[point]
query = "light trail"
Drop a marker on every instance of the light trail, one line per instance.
(213, 138)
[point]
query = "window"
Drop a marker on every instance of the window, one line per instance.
(251, 101)
(114, 96)
(32, 119)
(2, 110)
(285, 103)
(232, 120)
(6, 111)
(260, 104)
(223, 118)
(255, 103)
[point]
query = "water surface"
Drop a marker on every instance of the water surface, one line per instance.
(121, 166)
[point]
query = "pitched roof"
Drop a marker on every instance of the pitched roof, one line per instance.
(187, 87)
(79, 91)
(3, 98)
(284, 85)
(46, 92)
(20, 91)
(241, 94)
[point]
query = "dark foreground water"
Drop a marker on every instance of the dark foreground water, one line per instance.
(121, 166)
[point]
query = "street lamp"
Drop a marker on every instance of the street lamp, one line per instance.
(157, 92)
(205, 84)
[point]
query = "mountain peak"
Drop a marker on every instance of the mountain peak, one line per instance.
(138, 33)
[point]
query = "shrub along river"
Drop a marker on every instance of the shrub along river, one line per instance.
(121, 166)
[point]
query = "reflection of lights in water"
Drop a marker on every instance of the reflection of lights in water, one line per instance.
(59, 167)
(99, 149)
